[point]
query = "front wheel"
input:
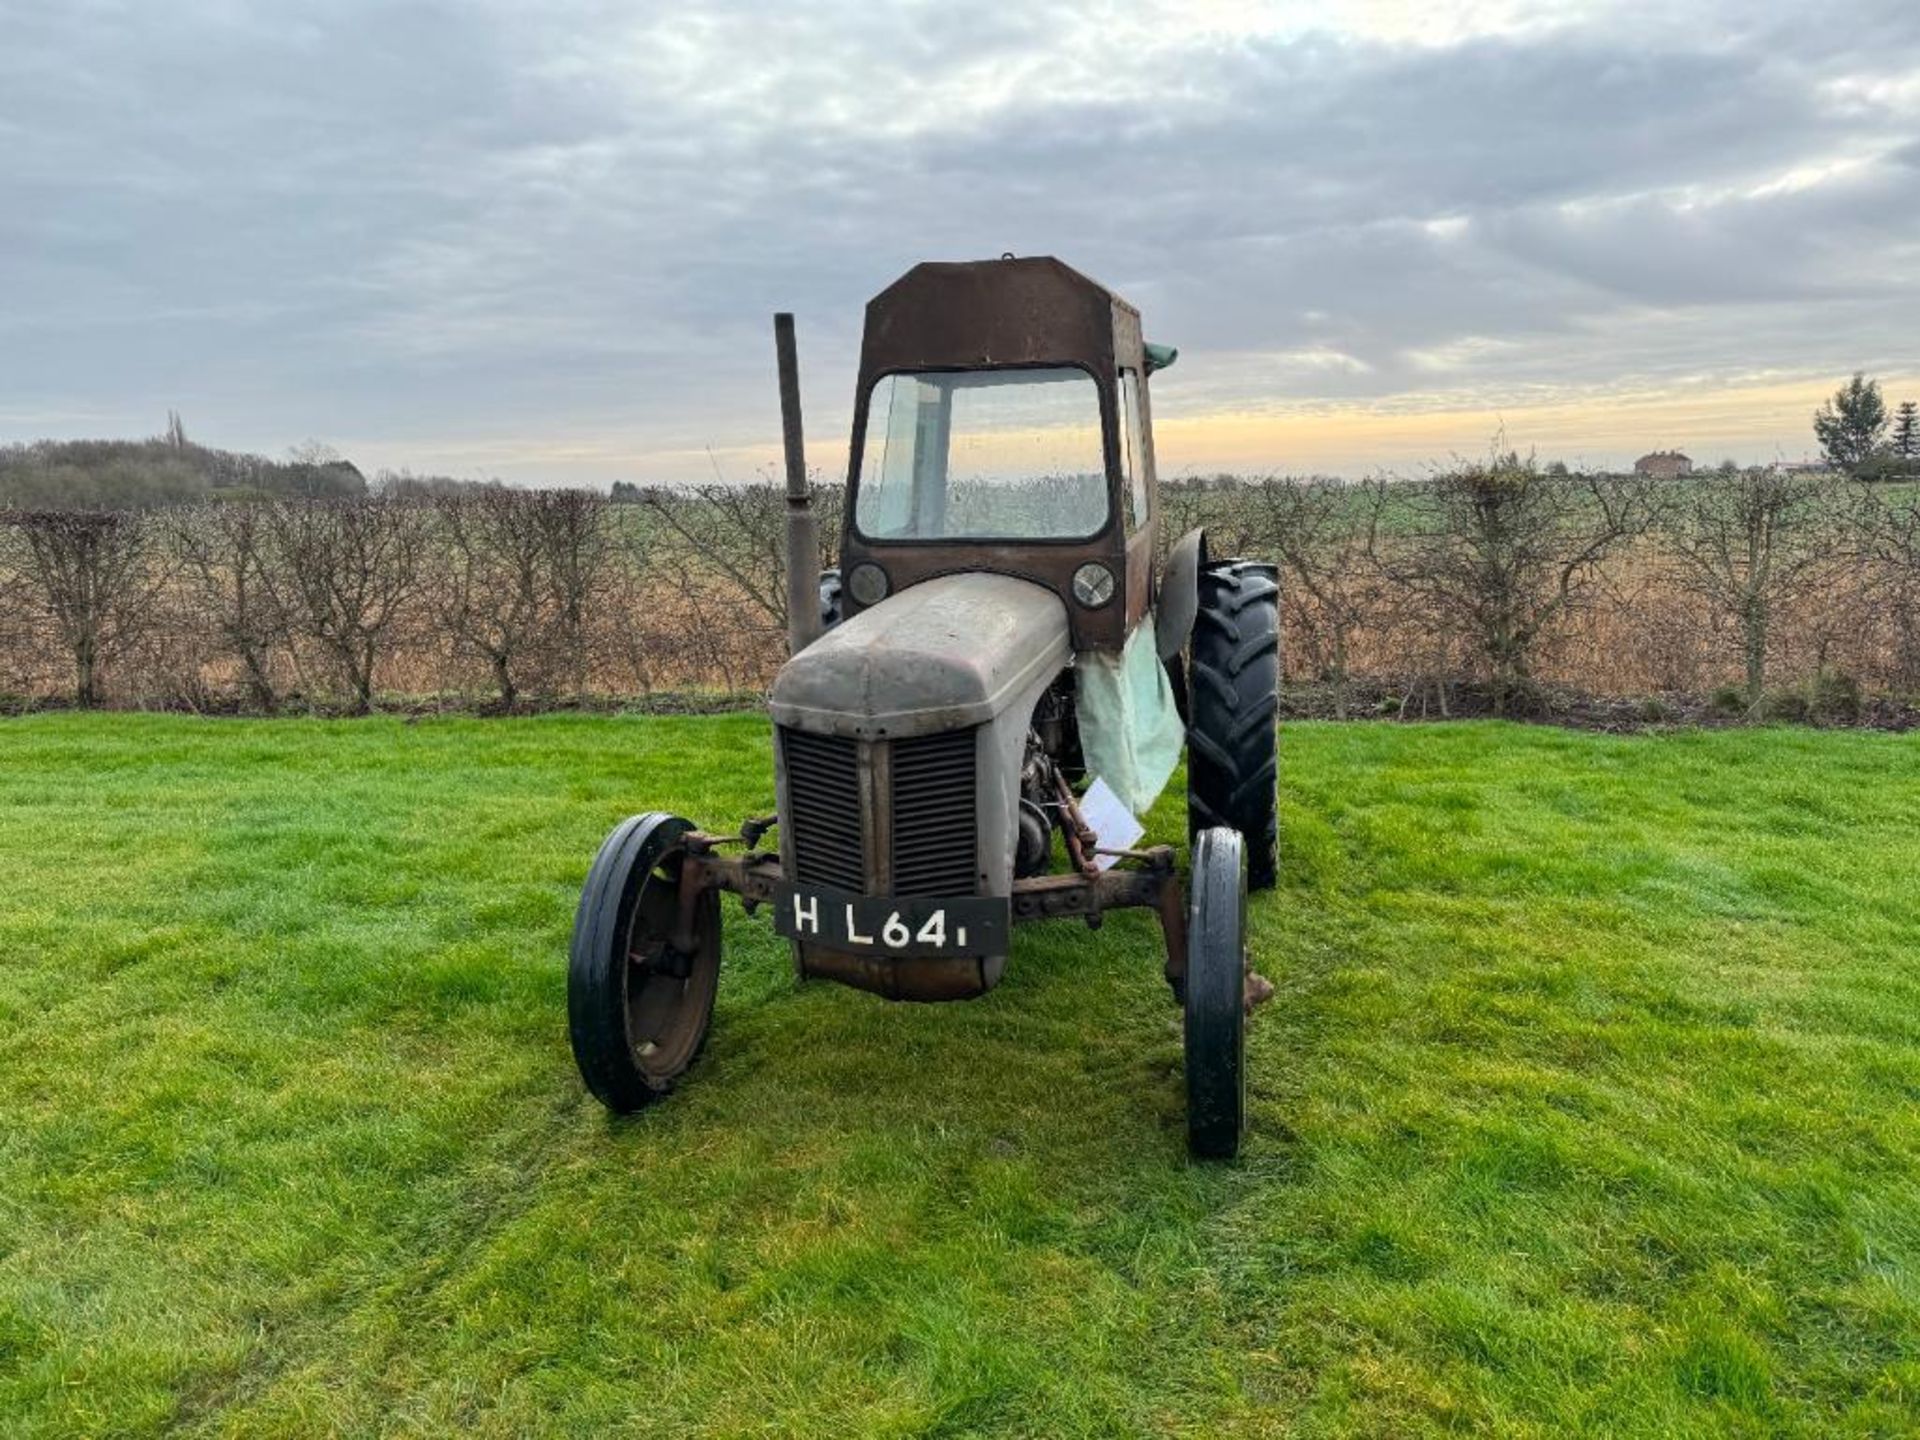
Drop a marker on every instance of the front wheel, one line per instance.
(1215, 996)
(638, 1005)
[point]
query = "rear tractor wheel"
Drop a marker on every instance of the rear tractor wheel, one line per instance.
(638, 1005)
(831, 589)
(1233, 696)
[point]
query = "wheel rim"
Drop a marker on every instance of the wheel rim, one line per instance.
(668, 995)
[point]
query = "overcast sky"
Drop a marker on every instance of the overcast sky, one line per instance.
(544, 241)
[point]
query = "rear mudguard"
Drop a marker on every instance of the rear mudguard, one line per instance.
(1179, 598)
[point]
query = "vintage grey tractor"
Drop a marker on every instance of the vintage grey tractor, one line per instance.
(983, 695)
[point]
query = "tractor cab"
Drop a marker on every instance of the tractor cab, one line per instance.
(1001, 425)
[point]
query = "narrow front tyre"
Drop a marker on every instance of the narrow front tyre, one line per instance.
(639, 993)
(1215, 995)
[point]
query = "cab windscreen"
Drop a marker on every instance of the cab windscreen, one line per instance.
(983, 455)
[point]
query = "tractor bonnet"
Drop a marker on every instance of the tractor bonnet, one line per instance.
(941, 655)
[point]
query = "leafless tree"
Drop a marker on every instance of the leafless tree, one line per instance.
(19, 636)
(515, 574)
(489, 583)
(232, 575)
(576, 547)
(1890, 531)
(94, 574)
(1749, 544)
(738, 531)
(1185, 505)
(1499, 553)
(353, 570)
(1325, 535)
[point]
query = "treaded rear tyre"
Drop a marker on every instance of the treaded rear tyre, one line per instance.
(1233, 695)
(831, 589)
(1215, 996)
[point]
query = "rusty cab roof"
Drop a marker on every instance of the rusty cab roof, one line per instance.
(961, 315)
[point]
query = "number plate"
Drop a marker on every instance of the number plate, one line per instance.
(892, 925)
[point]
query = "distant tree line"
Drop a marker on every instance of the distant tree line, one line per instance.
(170, 469)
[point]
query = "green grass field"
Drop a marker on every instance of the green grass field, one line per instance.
(1589, 1103)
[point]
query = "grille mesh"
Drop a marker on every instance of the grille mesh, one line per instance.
(933, 814)
(823, 788)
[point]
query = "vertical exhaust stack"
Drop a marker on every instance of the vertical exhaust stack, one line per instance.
(803, 540)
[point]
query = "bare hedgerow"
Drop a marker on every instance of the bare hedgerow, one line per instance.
(1890, 532)
(576, 547)
(735, 532)
(514, 572)
(1750, 544)
(94, 574)
(738, 534)
(1182, 508)
(231, 574)
(19, 638)
(489, 593)
(1498, 553)
(353, 571)
(1325, 533)
(1234, 522)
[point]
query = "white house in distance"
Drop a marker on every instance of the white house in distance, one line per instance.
(1663, 465)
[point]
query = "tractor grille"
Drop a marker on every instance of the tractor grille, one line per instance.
(823, 790)
(933, 814)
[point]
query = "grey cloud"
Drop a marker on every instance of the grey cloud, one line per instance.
(484, 231)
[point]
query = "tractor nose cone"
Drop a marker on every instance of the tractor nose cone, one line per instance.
(939, 655)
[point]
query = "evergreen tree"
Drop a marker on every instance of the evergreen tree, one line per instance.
(1849, 425)
(1906, 431)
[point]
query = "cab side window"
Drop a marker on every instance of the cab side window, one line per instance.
(1133, 449)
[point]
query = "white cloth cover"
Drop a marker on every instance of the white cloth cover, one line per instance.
(1130, 732)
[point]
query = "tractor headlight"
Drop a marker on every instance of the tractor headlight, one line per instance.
(867, 584)
(1093, 585)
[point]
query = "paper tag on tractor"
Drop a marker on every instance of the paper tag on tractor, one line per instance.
(1110, 819)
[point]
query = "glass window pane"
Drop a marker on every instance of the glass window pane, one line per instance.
(985, 454)
(1134, 443)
